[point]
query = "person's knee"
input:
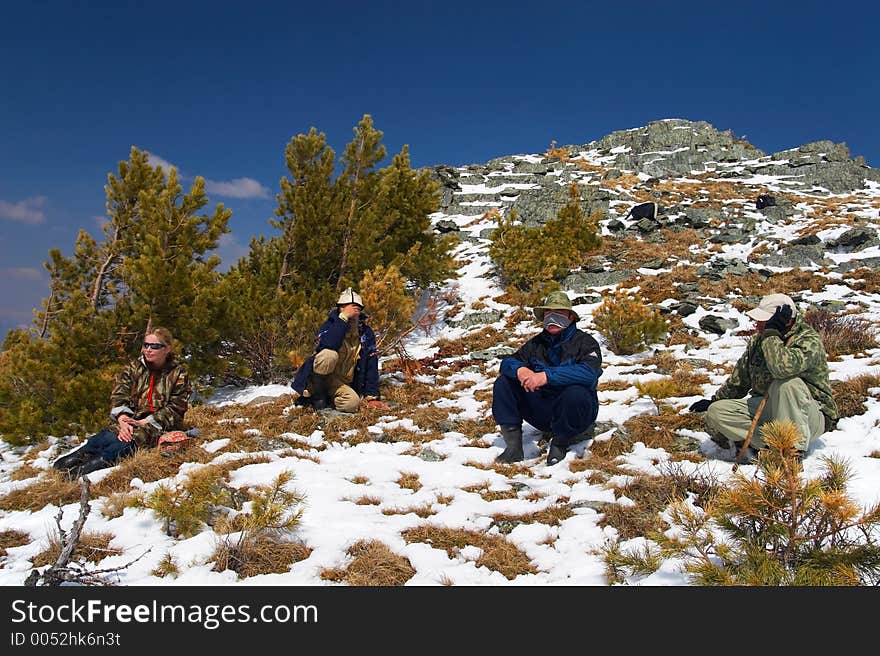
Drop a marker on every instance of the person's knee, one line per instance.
(346, 400)
(325, 361)
(712, 418)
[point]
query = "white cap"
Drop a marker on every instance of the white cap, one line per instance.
(350, 296)
(768, 306)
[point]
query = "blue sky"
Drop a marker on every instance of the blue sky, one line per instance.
(218, 89)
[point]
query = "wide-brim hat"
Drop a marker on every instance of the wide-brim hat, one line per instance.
(767, 307)
(555, 301)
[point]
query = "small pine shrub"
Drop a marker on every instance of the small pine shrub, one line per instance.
(657, 390)
(186, 506)
(530, 258)
(776, 527)
(257, 542)
(628, 324)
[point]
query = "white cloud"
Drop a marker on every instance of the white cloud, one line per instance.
(28, 210)
(22, 273)
(237, 188)
(155, 160)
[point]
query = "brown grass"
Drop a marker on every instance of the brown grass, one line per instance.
(847, 334)
(552, 516)
(491, 495)
(52, 487)
(92, 547)
(498, 554)
(478, 340)
(409, 481)
(262, 554)
(615, 385)
(659, 431)
(476, 428)
(115, 503)
(850, 395)
(864, 279)
(24, 472)
(373, 564)
(12, 538)
(424, 511)
(367, 500)
(148, 465)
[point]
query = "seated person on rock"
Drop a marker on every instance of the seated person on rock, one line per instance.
(345, 366)
(784, 363)
(550, 382)
(149, 398)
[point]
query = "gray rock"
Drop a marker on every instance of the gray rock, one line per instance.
(431, 456)
(852, 265)
(476, 319)
(856, 239)
(445, 226)
(580, 282)
(492, 353)
(796, 256)
(718, 325)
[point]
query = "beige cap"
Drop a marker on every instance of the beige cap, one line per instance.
(768, 306)
(350, 296)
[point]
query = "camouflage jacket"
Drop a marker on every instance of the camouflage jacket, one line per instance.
(767, 359)
(161, 396)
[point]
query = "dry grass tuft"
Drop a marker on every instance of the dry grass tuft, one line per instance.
(166, 567)
(491, 495)
(264, 554)
(850, 395)
(51, 488)
(148, 465)
(614, 385)
(115, 503)
(842, 334)
(92, 547)
(474, 341)
(409, 481)
(865, 280)
(373, 564)
(360, 480)
(12, 538)
(424, 511)
(24, 472)
(551, 516)
(476, 428)
(659, 431)
(367, 500)
(498, 554)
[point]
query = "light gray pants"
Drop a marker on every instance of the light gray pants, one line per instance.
(786, 399)
(345, 399)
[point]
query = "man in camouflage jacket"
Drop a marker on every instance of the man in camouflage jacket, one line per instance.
(785, 362)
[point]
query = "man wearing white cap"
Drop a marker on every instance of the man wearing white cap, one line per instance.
(345, 366)
(785, 362)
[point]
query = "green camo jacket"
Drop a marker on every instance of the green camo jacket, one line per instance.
(164, 407)
(767, 359)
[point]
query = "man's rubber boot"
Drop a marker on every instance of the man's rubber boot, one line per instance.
(320, 391)
(73, 459)
(555, 454)
(513, 451)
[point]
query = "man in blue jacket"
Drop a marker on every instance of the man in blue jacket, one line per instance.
(345, 366)
(550, 382)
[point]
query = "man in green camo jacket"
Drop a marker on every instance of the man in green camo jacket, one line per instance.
(785, 362)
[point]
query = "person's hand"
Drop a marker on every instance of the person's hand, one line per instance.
(779, 320)
(126, 429)
(531, 380)
(700, 406)
(376, 403)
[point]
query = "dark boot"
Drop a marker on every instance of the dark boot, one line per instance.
(556, 453)
(73, 459)
(94, 464)
(320, 391)
(513, 451)
(749, 456)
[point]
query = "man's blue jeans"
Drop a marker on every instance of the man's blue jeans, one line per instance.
(566, 412)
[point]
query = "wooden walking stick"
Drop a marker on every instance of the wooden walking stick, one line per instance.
(751, 432)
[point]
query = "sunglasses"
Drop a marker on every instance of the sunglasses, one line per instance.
(153, 346)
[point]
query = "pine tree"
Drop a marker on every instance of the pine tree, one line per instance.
(151, 268)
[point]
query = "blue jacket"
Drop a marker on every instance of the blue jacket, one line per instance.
(571, 357)
(331, 334)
